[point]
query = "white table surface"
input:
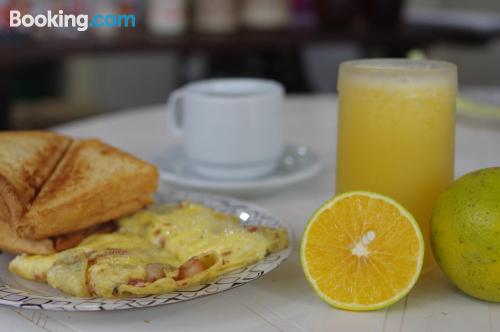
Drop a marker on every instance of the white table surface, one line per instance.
(282, 300)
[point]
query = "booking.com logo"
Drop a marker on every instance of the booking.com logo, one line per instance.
(60, 20)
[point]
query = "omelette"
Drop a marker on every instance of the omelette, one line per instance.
(154, 251)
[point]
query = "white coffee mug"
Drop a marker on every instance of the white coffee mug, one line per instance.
(232, 128)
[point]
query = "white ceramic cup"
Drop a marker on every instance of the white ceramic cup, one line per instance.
(232, 128)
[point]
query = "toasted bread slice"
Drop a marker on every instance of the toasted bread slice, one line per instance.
(92, 184)
(10, 241)
(27, 158)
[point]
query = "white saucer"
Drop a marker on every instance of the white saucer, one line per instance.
(297, 164)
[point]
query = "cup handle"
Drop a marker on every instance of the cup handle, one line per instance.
(175, 114)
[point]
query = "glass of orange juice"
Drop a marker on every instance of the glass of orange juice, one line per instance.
(396, 132)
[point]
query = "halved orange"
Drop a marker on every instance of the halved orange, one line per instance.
(362, 251)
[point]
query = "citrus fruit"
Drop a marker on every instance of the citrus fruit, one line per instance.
(362, 251)
(465, 233)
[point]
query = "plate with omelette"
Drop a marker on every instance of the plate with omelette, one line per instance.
(114, 248)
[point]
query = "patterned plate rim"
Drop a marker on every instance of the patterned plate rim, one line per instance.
(258, 216)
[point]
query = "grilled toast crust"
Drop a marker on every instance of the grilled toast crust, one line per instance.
(93, 183)
(27, 158)
(11, 242)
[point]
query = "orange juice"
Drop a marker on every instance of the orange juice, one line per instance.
(396, 131)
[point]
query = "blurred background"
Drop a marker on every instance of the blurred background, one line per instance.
(54, 75)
